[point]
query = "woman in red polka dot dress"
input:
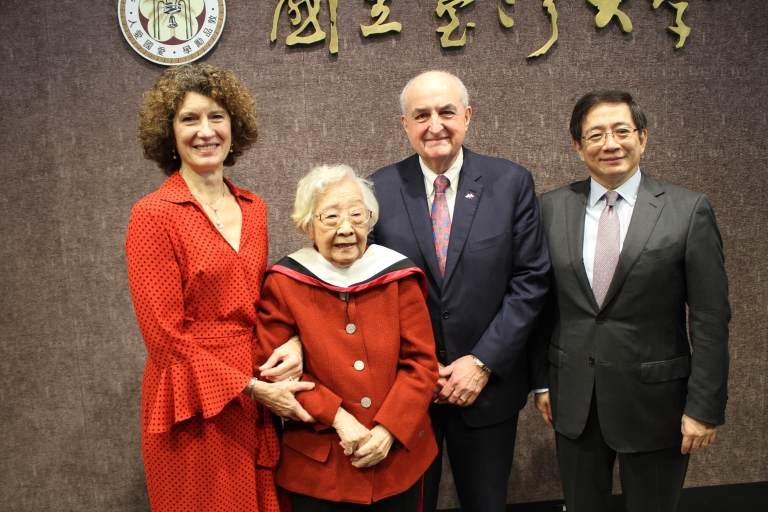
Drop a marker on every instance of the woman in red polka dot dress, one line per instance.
(197, 252)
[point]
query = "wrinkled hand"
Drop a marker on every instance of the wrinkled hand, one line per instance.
(290, 357)
(465, 381)
(696, 434)
(352, 433)
(375, 450)
(541, 401)
(278, 398)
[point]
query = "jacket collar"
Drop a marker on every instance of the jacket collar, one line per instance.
(467, 199)
(650, 202)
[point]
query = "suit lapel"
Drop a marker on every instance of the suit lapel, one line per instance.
(575, 210)
(650, 202)
(415, 199)
(467, 198)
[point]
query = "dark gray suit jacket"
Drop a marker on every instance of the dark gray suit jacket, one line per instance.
(496, 273)
(635, 350)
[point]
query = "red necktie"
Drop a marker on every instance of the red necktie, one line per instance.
(607, 248)
(441, 221)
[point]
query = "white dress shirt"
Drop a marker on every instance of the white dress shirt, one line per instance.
(453, 176)
(625, 205)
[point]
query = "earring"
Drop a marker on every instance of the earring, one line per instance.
(231, 150)
(174, 153)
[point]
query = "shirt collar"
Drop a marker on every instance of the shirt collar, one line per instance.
(627, 190)
(175, 190)
(452, 173)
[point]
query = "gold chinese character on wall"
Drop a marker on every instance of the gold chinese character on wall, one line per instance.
(449, 7)
(606, 10)
(310, 23)
(679, 28)
(380, 12)
(549, 5)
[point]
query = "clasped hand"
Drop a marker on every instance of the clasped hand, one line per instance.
(285, 363)
(283, 370)
(365, 448)
(460, 382)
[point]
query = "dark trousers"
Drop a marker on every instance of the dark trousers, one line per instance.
(407, 501)
(650, 481)
(481, 460)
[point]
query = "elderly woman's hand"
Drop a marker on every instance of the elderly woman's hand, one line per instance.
(375, 450)
(352, 433)
(290, 357)
(278, 398)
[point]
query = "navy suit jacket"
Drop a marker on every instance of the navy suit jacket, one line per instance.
(496, 274)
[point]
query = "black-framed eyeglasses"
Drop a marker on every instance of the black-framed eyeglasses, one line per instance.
(334, 218)
(599, 138)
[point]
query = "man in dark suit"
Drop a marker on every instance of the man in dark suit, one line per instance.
(471, 223)
(628, 254)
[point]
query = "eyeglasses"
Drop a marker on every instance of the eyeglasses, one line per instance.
(599, 138)
(334, 218)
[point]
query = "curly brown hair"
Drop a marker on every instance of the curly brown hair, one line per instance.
(160, 103)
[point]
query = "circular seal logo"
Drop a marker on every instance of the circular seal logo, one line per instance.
(171, 33)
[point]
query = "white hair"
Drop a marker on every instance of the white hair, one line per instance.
(457, 80)
(317, 182)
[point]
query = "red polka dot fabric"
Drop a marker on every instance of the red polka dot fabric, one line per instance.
(206, 446)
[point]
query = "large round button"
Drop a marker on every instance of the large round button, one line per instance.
(359, 365)
(600, 319)
(446, 315)
(351, 328)
(365, 402)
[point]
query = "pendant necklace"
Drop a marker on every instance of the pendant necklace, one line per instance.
(219, 225)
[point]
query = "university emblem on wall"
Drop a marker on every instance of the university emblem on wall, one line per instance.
(171, 33)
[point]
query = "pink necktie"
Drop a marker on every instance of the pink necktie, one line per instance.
(441, 221)
(607, 249)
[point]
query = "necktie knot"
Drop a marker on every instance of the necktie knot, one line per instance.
(611, 197)
(441, 183)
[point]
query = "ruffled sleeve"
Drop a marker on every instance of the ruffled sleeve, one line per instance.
(184, 378)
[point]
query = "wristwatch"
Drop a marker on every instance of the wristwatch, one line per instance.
(482, 366)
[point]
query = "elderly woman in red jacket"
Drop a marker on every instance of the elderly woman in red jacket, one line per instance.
(368, 348)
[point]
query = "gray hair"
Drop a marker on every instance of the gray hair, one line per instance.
(457, 80)
(317, 182)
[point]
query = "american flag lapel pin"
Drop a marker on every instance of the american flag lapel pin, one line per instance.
(470, 195)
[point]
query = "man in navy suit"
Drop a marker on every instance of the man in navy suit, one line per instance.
(486, 287)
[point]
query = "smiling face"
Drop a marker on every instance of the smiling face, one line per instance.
(611, 162)
(435, 119)
(203, 134)
(345, 243)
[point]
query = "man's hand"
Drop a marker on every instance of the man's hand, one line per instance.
(541, 400)
(375, 450)
(278, 398)
(696, 434)
(290, 357)
(464, 382)
(352, 433)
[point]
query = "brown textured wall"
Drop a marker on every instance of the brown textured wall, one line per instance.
(70, 353)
